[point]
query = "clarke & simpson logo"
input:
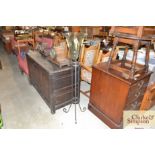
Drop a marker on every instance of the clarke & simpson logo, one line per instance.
(139, 119)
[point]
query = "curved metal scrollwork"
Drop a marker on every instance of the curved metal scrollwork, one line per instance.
(76, 91)
(67, 110)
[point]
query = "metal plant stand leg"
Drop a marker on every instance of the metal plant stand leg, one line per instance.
(76, 89)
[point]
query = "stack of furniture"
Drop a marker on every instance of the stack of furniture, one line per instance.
(120, 85)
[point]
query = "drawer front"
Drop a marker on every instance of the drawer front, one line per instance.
(134, 105)
(62, 98)
(64, 81)
(64, 72)
(66, 94)
(66, 89)
(136, 95)
(138, 86)
(61, 74)
(136, 92)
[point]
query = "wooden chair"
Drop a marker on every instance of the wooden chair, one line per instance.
(149, 98)
(104, 56)
(136, 37)
(88, 58)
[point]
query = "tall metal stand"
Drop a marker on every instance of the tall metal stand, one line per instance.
(76, 70)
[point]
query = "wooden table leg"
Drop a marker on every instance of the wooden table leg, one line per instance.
(112, 52)
(124, 56)
(134, 61)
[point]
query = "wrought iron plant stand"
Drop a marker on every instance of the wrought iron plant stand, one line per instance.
(74, 41)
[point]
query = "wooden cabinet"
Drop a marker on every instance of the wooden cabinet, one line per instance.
(111, 94)
(54, 84)
(120, 85)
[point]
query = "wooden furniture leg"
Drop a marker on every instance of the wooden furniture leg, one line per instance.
(124, 56)
(134, 62)
(113, 51)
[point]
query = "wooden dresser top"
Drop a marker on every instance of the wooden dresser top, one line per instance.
(104, 67)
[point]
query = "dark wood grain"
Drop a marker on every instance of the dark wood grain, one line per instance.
(54, 84)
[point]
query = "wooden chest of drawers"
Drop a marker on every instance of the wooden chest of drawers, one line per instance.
(54, 84)
(111, 94)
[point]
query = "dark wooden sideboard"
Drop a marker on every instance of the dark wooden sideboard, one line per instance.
(54, 84)
(111, 94)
